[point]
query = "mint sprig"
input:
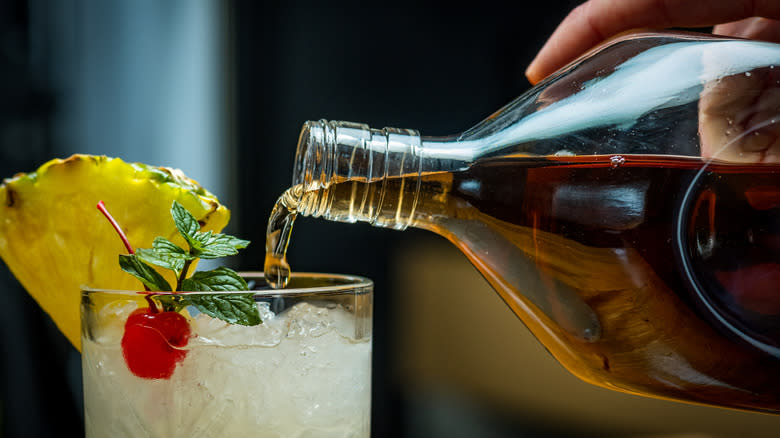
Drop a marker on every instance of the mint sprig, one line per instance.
(205, 245)
(232, 308)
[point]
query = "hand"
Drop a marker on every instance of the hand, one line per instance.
(739, 126)
(597, 20)
(743, 125)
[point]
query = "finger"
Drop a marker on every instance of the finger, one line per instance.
(596, 20)
(741, 126)
(754, 28)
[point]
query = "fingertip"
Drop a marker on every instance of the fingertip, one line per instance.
(532, 73)
(543, 63)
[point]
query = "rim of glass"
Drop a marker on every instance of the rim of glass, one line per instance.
(350, 283)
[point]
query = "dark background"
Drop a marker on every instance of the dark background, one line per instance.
(220, 89)
(434, 66)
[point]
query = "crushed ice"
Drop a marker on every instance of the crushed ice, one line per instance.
(300, 321)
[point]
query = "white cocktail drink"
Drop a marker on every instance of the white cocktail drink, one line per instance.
(303, 372)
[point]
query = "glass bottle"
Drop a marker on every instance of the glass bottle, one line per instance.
(626, 209)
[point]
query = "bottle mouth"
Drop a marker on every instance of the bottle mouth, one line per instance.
(324, 148)
(325, 153)
(311, 135)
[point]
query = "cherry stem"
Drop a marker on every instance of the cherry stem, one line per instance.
(152, 303)
(102, 207)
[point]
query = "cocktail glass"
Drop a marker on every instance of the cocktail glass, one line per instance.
(304, 371)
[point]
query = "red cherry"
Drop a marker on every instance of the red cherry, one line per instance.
(153, 343)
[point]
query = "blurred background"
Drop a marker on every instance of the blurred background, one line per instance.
(220, 89)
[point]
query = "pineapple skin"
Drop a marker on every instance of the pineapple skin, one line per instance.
(55, 241)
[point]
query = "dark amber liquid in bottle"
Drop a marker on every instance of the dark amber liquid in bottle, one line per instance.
(646, 274)
(675, 258)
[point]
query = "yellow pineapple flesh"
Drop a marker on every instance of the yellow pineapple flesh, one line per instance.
(55, 241)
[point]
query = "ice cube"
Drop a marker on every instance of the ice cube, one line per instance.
(306, 320)
(214, 331)
(111, 318)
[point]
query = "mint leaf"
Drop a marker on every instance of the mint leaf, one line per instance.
(227, 240)
(152, 257)
(165, 254)
(198, 241)
(163, 245)
(140, 270)
(231, 308)
(220, 279)
(185, 222)
(213, 246)
(207, 245)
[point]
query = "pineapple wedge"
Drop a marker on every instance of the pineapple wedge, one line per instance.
(54, 239)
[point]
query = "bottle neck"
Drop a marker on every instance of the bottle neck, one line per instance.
(349, 172)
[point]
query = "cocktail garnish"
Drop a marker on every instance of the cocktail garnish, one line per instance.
(153, 341)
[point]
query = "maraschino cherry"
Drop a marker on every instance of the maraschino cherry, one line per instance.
(153, 342)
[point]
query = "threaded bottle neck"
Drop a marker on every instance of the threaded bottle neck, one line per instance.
(349, 172)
